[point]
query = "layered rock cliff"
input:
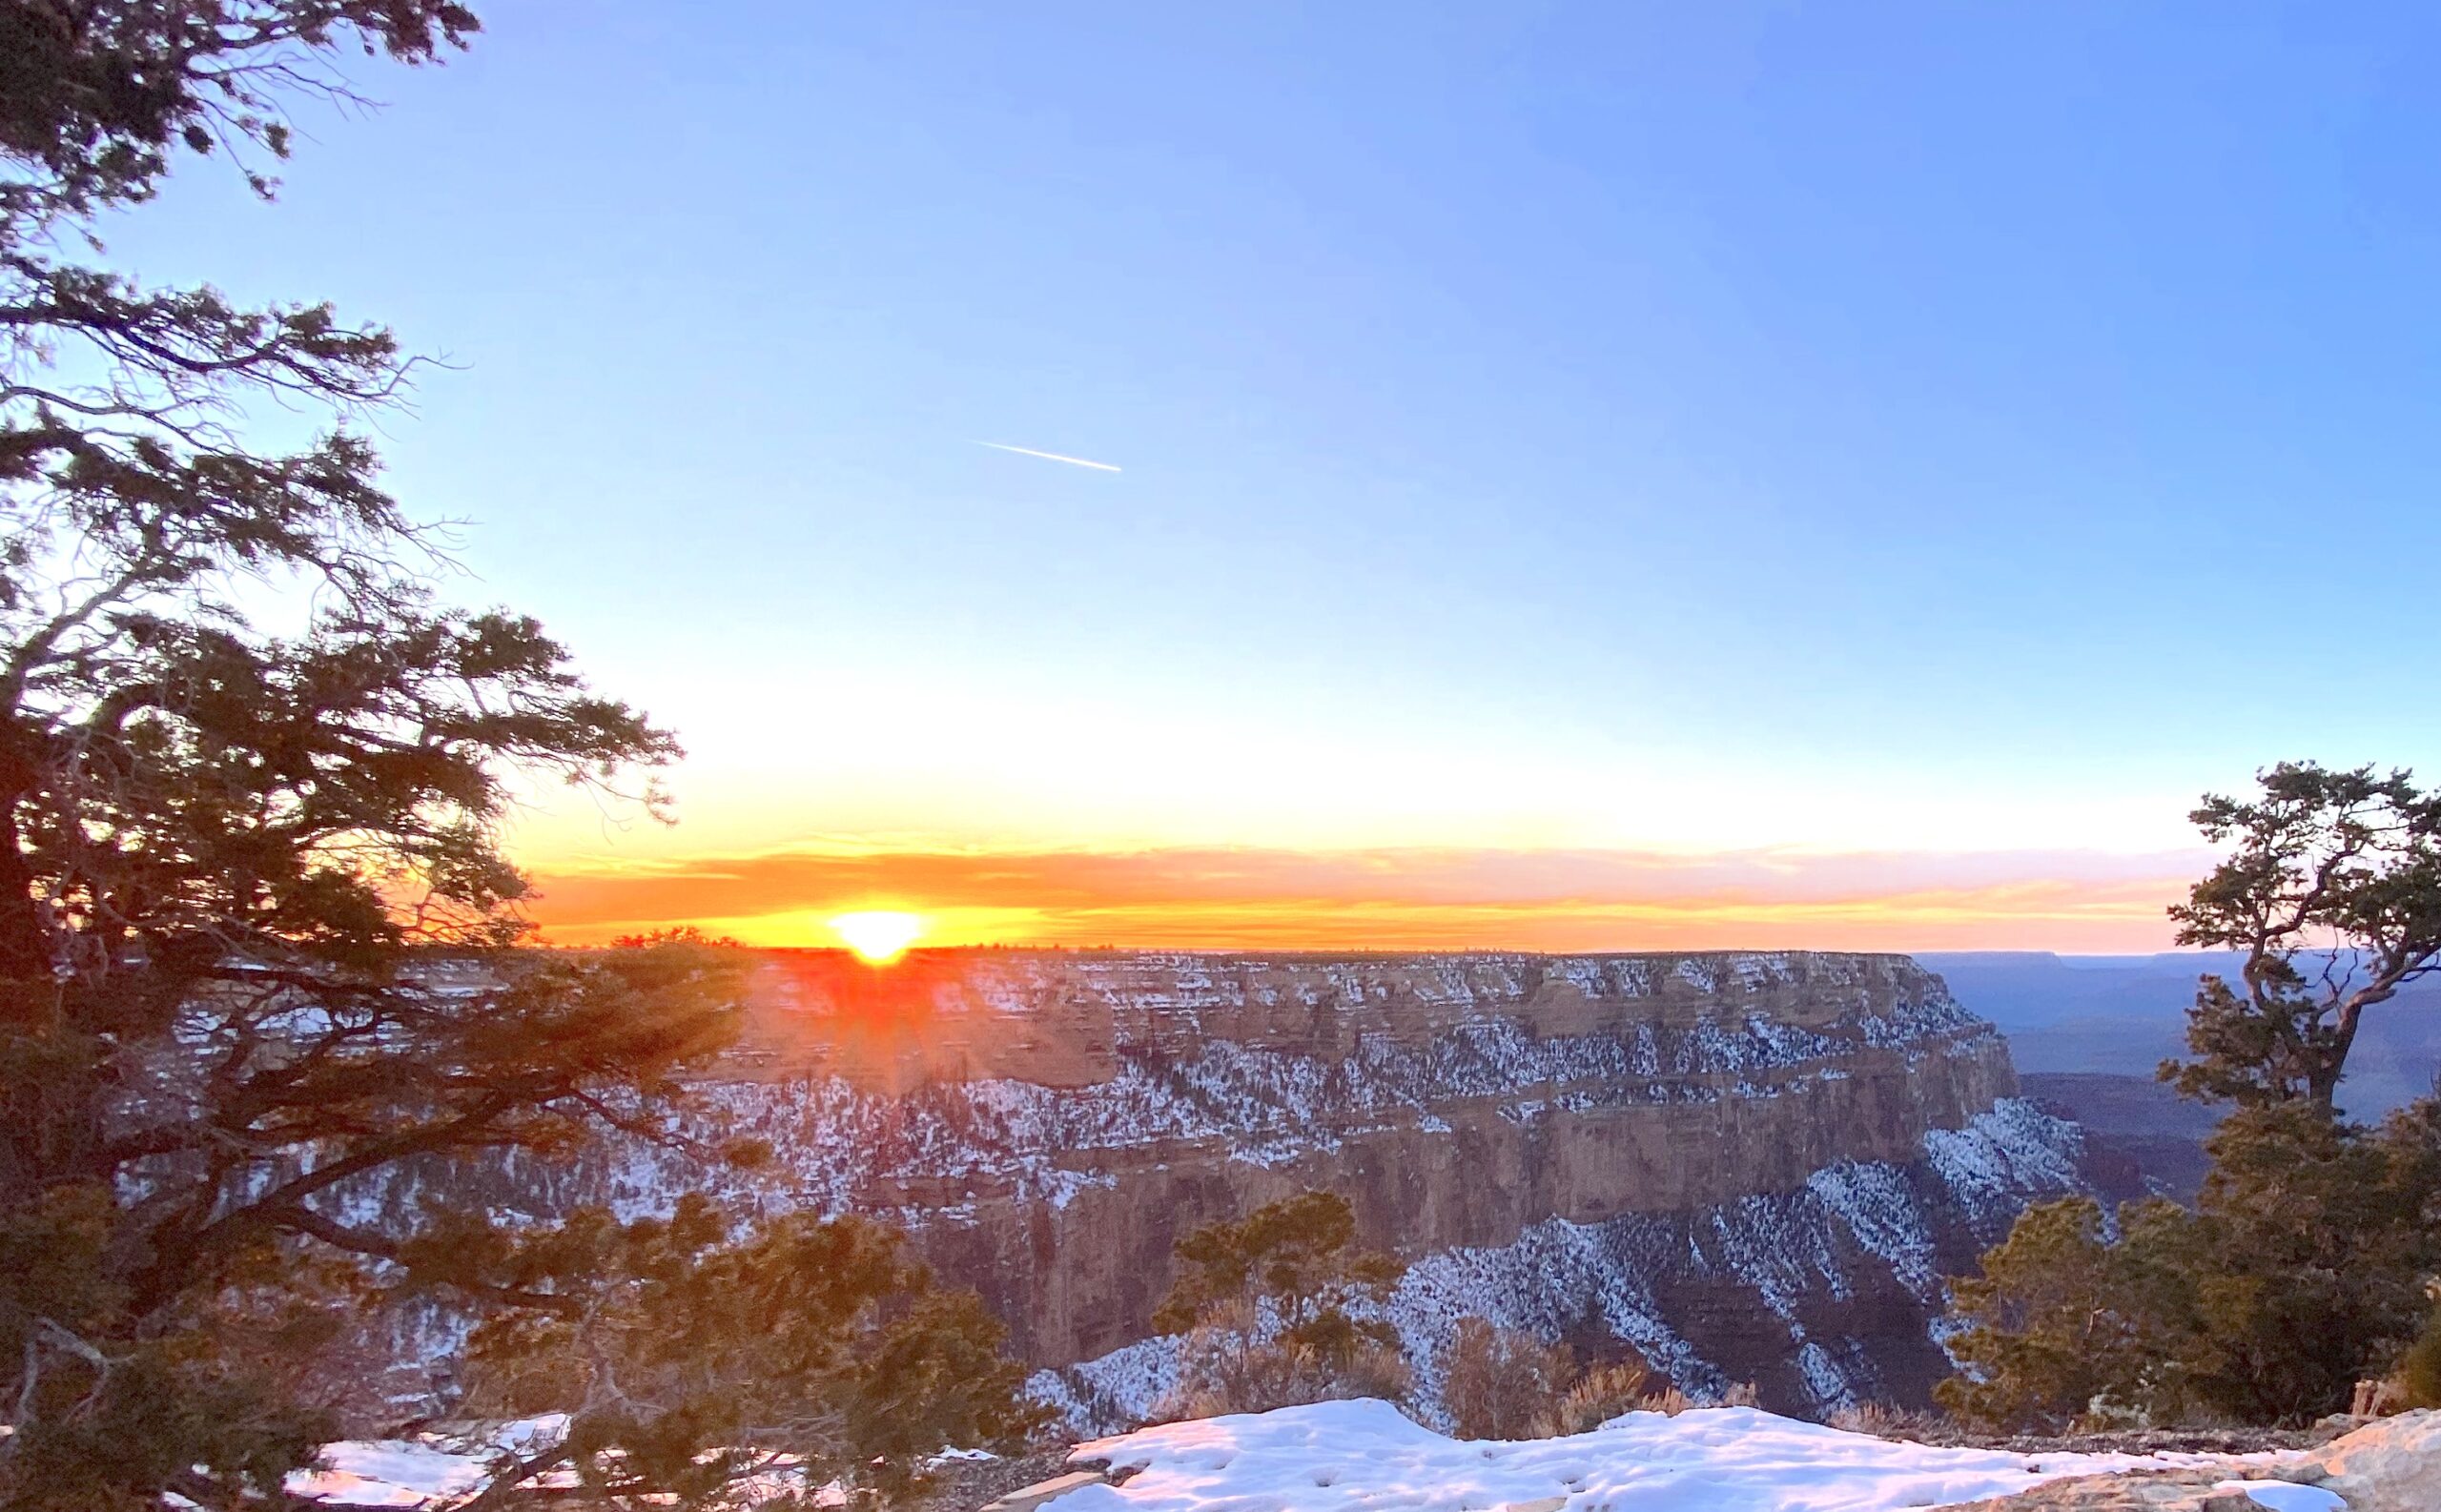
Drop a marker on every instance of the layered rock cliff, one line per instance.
(1749, 1166)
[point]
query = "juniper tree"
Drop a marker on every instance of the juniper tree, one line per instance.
(2332, 893)
(2299, 1272)
(2301, 1268)
(230, 851)
(1280, 1307)
(692, 1356)
(1296, 1256)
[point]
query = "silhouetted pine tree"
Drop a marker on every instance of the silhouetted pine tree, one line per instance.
(226, 854)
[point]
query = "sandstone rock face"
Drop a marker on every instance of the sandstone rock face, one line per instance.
(1025, 1499)
(1750, 1166)
(2199, 1490)
(2393, 1465)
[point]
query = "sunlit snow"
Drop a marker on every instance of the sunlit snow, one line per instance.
(1364, 1457)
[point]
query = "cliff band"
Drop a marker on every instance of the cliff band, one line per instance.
(1751, 1167)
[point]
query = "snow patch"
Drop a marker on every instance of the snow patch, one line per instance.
(1346, 1456)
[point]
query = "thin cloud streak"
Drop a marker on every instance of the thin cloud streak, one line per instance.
(1050, 457)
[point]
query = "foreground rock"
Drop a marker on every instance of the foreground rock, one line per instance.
(1025, 1499)
(2208, 1490)
(2393, 1465)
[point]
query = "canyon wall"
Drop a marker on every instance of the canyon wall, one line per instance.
(1748, 1166)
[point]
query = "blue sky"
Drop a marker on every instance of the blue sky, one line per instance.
(1901, 428)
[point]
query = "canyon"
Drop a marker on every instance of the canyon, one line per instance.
(1748, 1166)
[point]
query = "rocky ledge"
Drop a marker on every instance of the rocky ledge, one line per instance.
(2390, 1465)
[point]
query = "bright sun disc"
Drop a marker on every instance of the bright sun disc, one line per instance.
(879, 936)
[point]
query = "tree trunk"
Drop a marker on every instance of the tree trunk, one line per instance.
(2330, 1061)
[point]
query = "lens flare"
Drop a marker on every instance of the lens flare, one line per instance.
(878, 935)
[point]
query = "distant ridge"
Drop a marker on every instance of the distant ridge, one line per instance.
(2123, 1014)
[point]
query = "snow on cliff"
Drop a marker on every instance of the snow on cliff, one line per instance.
(839, 1144)
(1628, 1140)
(1787, 1247)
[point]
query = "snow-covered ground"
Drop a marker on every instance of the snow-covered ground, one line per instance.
(1364, 1457)
(389, 1473)
(430, 1471)
(435, 1472)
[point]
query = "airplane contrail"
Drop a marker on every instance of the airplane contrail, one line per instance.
(1050, 457)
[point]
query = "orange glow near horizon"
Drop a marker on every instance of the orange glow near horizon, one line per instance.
(1419, 899)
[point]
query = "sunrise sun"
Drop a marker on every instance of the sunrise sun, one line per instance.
(879, 936)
